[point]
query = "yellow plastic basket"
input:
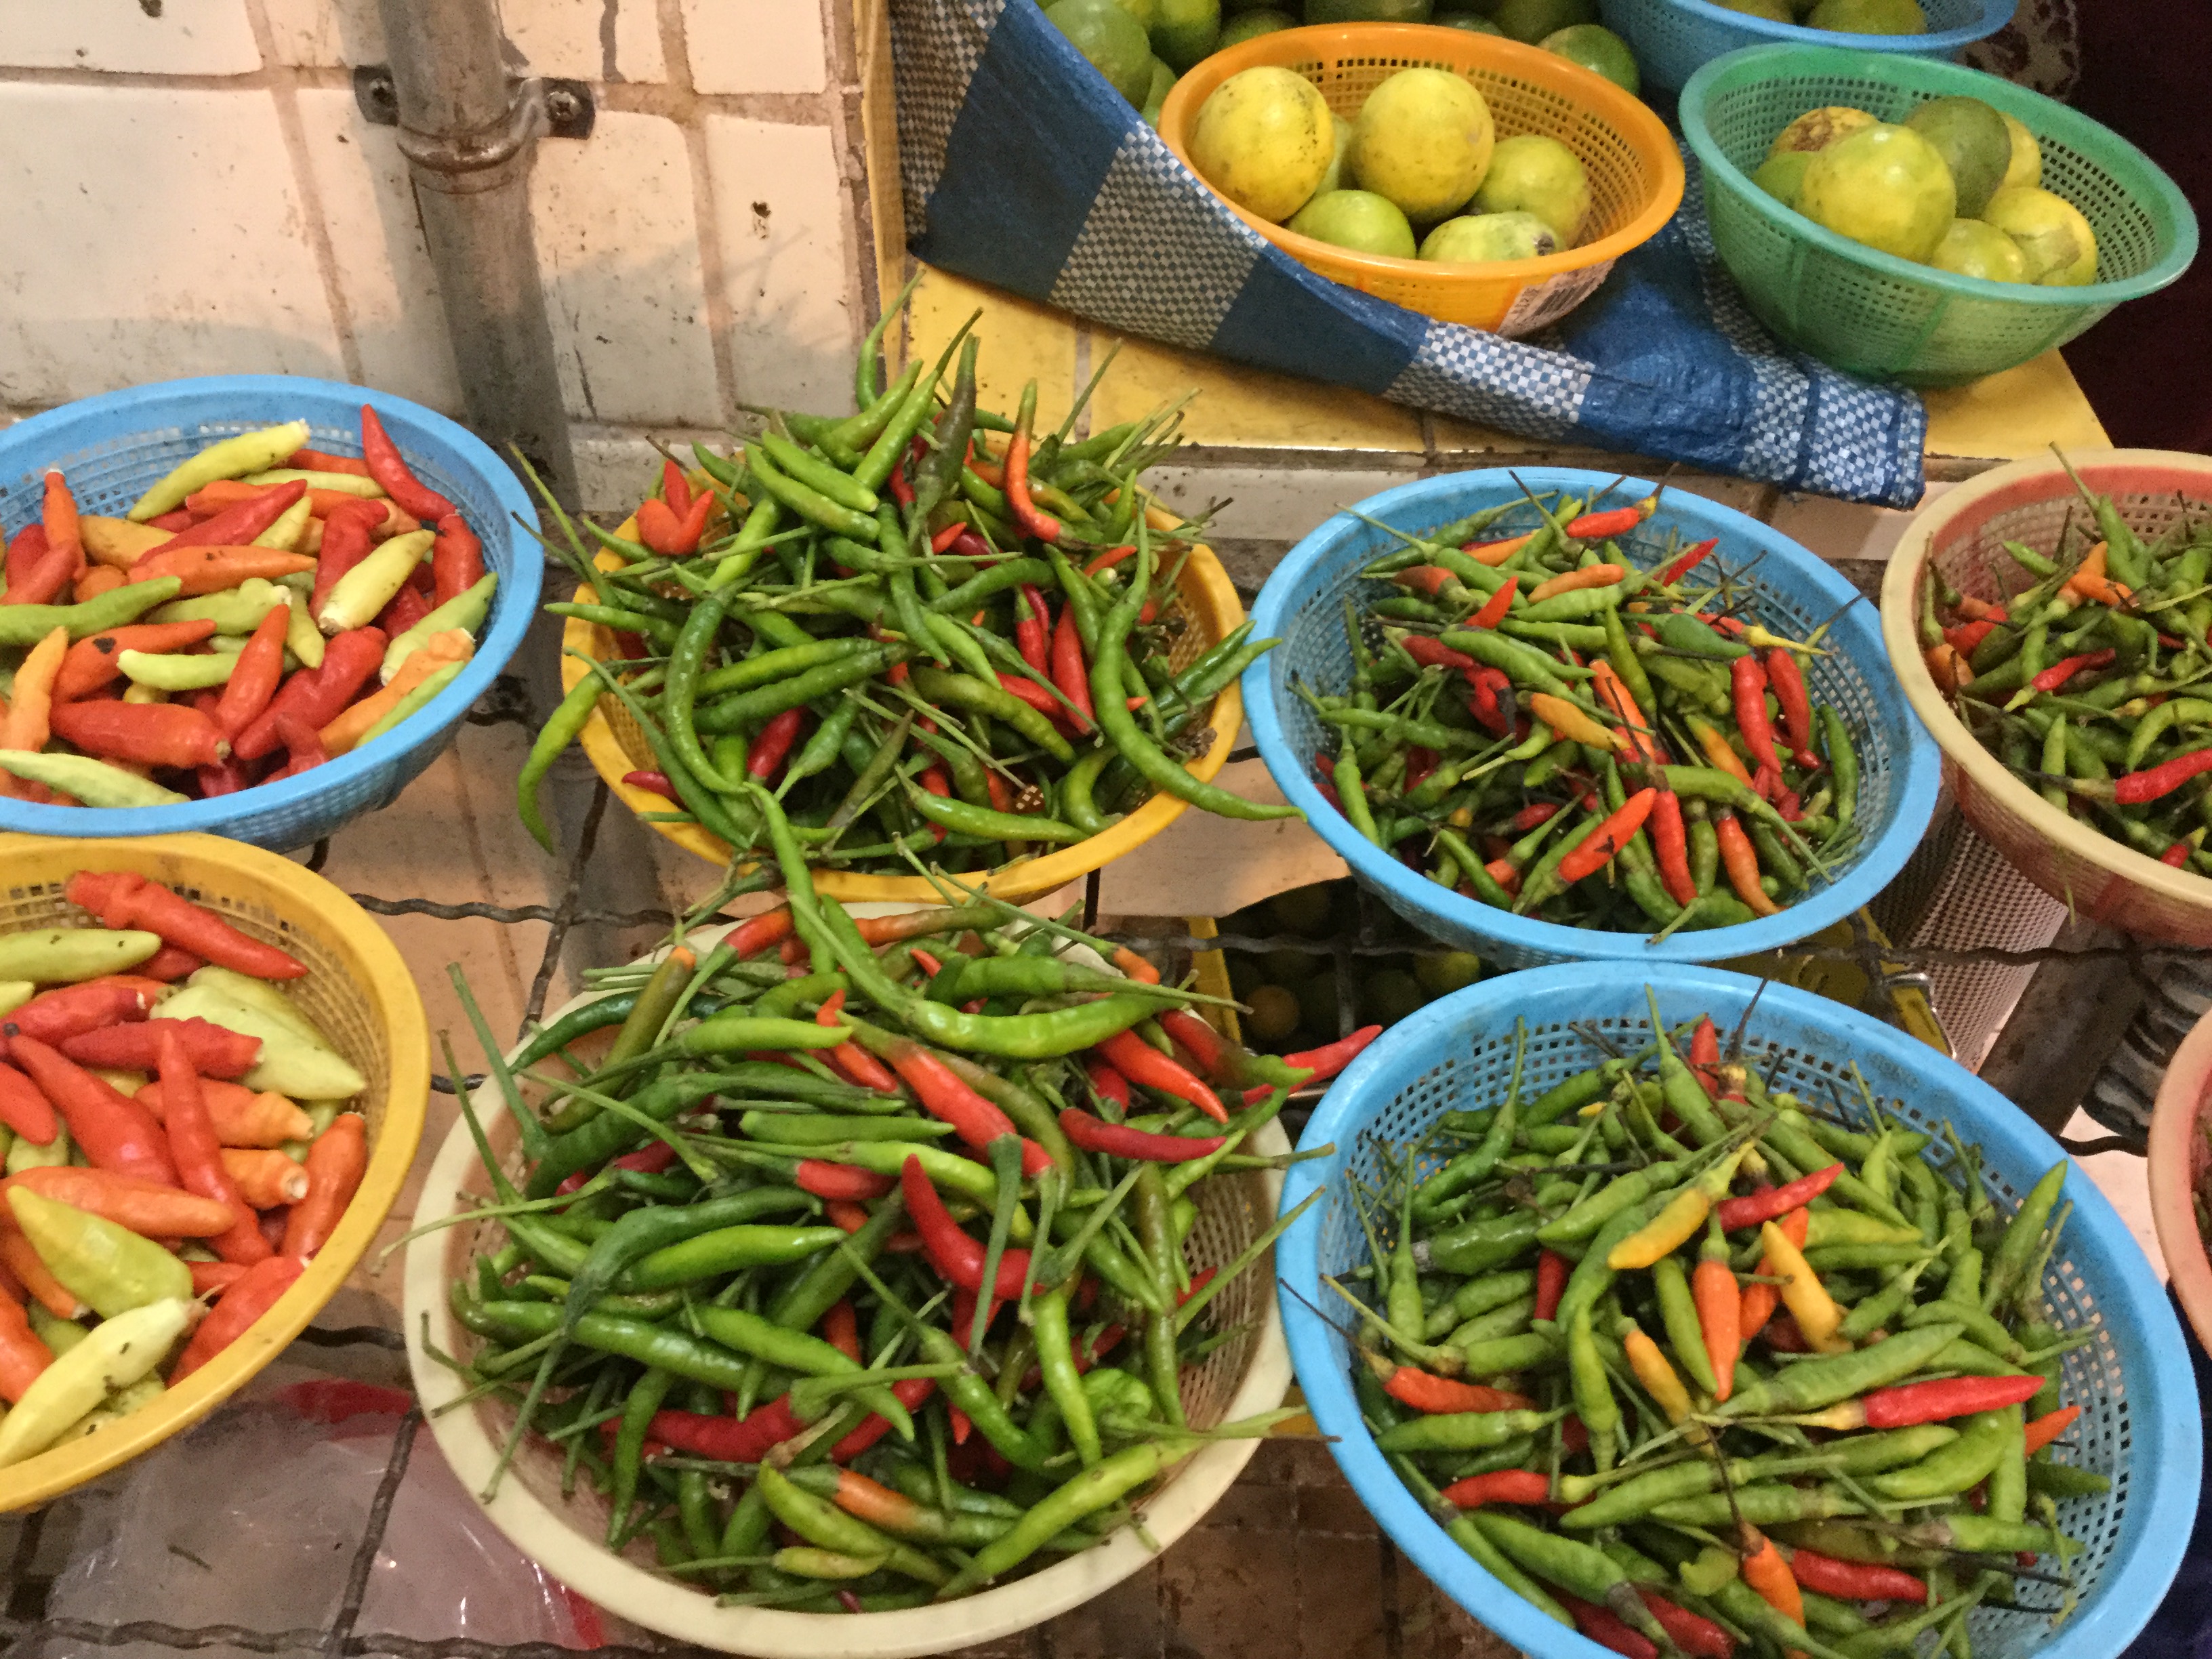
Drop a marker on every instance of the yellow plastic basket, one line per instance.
(1635, 170)
(357, 989)
(1204, 595)
(1964, 532)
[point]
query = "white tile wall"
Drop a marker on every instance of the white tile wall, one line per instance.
(580, 40)
(152, 232)
(180, 37)
(786, 250)
(754, 46)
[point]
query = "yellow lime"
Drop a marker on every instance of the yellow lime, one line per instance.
(1275, 1015)
(1446, 971)
(1817, 128)
(1186, 31)
(1884, 187)
(1357, 219)
(2025, 166)
(2056, 241)
(1868, 17)
(1423, 139)
(1533, 173)
(1246, 25)
(1971, 248)
(1481, 239)
(1114, 41)
(1774, 11)
(1782, 174)
(1597, 49)
(1263, 138)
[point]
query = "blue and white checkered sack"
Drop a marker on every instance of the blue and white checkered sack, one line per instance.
(1023, 168)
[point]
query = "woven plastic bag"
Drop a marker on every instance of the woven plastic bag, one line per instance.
(1024, 169)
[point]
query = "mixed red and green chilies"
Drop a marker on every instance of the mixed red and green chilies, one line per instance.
(738, 1281)
(262, 608)
(1696, 1367)
(2087, 675)
(917, 623)
(1539, 722)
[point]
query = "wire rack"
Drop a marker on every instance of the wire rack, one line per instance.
(25, 1626)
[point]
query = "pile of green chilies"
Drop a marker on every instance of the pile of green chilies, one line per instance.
(1543, 724)
(2090, 681)
(1694, 1366)
(904, 648)
(753, 1233)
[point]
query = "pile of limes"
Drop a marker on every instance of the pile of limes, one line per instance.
(1842, 16)
(1957, 185)
(1422, 151)
(1294, 992)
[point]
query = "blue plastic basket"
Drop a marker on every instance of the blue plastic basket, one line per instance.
(2139, 1426)
(1303, 605)
(113, 446)
(1671, 39)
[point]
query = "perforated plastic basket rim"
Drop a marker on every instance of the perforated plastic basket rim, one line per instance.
(1916, 769)
(1994, 788)
(2166, 1452)
(29, 443)
(551, 1539)
(1752, 64)
(2182, 1097)
(1995, 15)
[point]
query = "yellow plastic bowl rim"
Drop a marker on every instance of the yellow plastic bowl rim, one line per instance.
(1028, 878)
(1900, 590)
(383, 976)
(1622, 108)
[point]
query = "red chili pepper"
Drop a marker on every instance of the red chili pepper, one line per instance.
(951, 1251)
(1141, 1062)
(125, 899)
(773, 746)
(1204, 1044)
(872, 1428)
(175, 520)
(24, 1109)
(675, 487)
(945, 1098)
(1033, 628)
(855, 1064)
(2138, 788)
(44, 578)
(346, 544)
(1747, 680)
(171, 962)
(1032, 519)
(1602, 1627)
(1425, 1391)
(841, 1329)
(1485, 704)
(1937, 1403)
(1325, 1061)
(1854, 1581)
(116, 1132)
(2176, 857)
(1774, 1202)
(237, 526)
(657, 782)
(63, 1011)
(1535, 812)
(2066, 667)
(1070, 671)
(390, 469)
(844, 1181)
(92, 663)
(193, 1146)
(1670, 840)
(456, 559)
(1118, 1140)
(2049, 1426)
(27, 550)
(321, 460)
(1551, 1271)
(1706, 1056)
(1499, 1486)
(211, 1050)
(58, 517)
(1614, 521)
(1426, 580)
(303, 747)
(1596, 850)
(155, 733)
(237, 1309)
(666, 533)
(728, 1439)
(1690, 559)
(316, 696)
(254, 676)
(1699, 1637)
(1741, 860)
(1787, 680)
(1032, 694)
(1433, 653)
(209, 1277)
(1107, 1083)
(405, 608)
(1494, 608)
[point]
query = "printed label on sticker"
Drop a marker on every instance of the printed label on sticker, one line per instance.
(1541, 304)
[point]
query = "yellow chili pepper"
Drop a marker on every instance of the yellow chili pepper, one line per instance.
(1655, 1372)
(1802, 1293)
(114, 1355)
(1678, 1219)
(1568, 721)
(1716, 749)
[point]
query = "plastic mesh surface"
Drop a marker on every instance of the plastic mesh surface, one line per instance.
(1673, 39)
(1868, 313)
(2139, 1426)
(111, 448)
(1303, 605)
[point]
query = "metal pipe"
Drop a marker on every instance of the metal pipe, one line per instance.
(468, 133)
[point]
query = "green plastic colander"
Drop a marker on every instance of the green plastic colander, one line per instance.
(1871, 313)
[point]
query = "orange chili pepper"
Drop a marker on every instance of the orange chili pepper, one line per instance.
(2048, 1427)
(265, 1179)
(198, 1155)
(337, 1160)
(1496, 553)
(1570, 581)
(210, 569)
(22, 1356)
(58, 517)
(1741, 860)
(1759, 1302)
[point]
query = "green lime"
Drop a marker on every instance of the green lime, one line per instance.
(1390, 995)
(1114, 41)
(1338, 174)
(1868, 17)
(1250, 25)
(1782, 174)
(1774, 11)
(1473, 23)
(1234, 8)
(1357, 219)
(1146, 12)
(1446, 971)
(1317, 1006)
(1535, 172)
(1289, 967)
(1163, 79)
(1245, 975)
(1598, 49)
(1302, 909)
(1274, 1014)
(1972, 141)
(1186, 31)
(1530, 21)
(1367, 11)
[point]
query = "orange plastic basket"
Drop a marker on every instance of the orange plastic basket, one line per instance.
(1964, 533)
(1204, 594)
(1635, 170)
